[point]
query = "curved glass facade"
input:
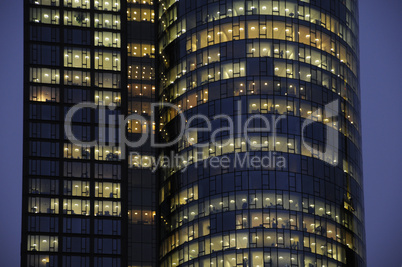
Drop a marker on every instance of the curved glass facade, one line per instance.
(287, 62)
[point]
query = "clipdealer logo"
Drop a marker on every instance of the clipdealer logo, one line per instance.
(238, 134)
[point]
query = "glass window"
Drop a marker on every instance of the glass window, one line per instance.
(72, 151)
(141, 50)
(43, 205)
(105, 98)
(107, 208)
(44, 15)
(107, 60)
(76, 225)
(76, 188)
(44, 55)
(107, 190)
(107, 5)
(43, 186)
(76, 244)
(44, 94)
(45, 2)
(107, 80)
(76, 207)
(141, 14)
(43, 243)
(77, 169)
(44, 75)
(77, 77)
(107, 21)
(84, 4)
(107, 39)
(75, 261)
(108, 171)
(77, 36)
(77, 18)
(107, 153)
(77, 57)
(42, 260)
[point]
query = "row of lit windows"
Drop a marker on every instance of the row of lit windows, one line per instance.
(107, 153)
(275, 30)
(187, 100)
(273, 239)
(136, 127)
(282, 143)
(255, 86)
(142, 2)
(73, 206)
(261, 239)
(244, 201)
(107, 21)
(106, 98)
(256, 257)
(43, 243)
(290, 8)
(277, 105)
(267, 85)
(105, 5)
(79, 77)
(216, 12)
(261, 49)
(228, 70)
(280, 52)
(266, 222)
(74, 18)
(81, 188)
(74, 188)
(285, 144)
(224, 72)
(107, 39)
(273, 257)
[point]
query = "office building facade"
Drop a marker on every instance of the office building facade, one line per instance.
(255, 61)
(90, 201)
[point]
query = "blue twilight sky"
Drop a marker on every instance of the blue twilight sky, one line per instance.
(381, 77)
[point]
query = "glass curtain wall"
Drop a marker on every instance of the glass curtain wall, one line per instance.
(271, 58)
(73, 214)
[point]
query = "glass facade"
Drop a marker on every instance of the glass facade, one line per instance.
(100, 204)
(73, 213)
(266, 58)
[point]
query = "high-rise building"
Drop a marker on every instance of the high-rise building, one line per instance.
(73, 213)
(268, 171)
